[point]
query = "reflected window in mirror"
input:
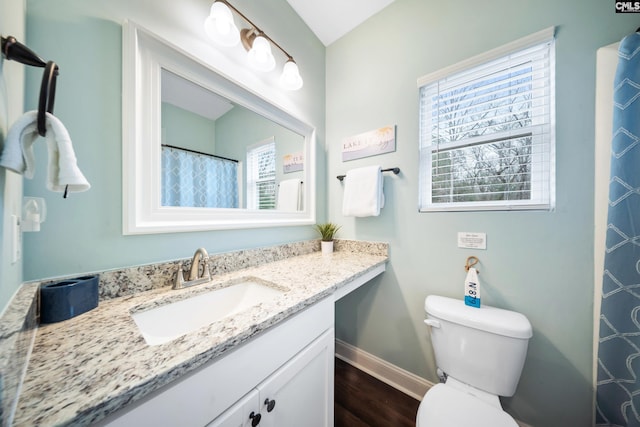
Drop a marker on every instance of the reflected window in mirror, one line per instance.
(261, 175)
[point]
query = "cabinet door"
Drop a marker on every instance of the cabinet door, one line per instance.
(242, 414)
(301, 392)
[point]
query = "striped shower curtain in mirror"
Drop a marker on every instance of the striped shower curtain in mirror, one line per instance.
(192, 179)
(618, 390)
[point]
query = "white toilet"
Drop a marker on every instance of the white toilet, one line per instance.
(481, 352)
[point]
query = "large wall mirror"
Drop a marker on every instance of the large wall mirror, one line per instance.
(201, 152)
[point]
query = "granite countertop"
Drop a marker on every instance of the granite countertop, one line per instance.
(87, 367)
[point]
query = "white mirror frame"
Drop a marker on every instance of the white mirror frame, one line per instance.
(144, 55)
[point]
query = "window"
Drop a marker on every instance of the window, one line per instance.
(487, 130)
(261, 175)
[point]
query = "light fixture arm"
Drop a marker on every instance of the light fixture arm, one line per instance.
(256, 29)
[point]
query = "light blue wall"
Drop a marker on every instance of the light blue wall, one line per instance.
(538, 263)
(182, 128)
(84, 232)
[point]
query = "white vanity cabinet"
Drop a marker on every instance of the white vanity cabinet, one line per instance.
(290, 363)
(299, 393)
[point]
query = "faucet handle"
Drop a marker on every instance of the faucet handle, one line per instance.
(206, 273)
(179, 282)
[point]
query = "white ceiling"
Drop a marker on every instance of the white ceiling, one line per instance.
(332, 19)
(191, 97)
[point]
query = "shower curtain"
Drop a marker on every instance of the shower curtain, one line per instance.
(618, 388)
(198, 180)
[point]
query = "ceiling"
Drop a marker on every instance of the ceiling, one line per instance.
(189, 96)
(332, 19)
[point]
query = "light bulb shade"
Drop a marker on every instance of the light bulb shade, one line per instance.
(290, 78)
(220, 27)
(260, 56)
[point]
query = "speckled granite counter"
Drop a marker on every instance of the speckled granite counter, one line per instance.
(90, 366)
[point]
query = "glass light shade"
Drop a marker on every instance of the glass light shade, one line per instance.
(260, 56)
(290, 78)
(220, 27)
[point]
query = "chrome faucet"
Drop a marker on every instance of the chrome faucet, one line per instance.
(194, 273)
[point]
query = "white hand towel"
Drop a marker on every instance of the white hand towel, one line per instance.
(363, 192)
(63, 166)
(17, 145)
(289, 195)
(18, 154)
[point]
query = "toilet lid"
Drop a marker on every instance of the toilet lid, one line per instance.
(446, 406)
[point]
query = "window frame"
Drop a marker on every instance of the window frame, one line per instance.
(254, 181)
(536, 129)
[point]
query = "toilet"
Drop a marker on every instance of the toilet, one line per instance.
(480, 352)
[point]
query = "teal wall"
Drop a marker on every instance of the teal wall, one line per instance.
(538, 263)
(182, 128)
(84, 232)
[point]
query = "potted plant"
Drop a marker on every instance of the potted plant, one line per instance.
(327, 233)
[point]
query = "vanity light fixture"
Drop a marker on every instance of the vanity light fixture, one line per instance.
(220, 27)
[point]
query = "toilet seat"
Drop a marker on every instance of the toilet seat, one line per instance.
(447, 406)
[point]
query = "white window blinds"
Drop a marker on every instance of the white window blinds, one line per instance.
(487, 130)
(261, 175)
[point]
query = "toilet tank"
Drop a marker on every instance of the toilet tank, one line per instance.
(483, 347)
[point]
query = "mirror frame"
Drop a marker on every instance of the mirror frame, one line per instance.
(144, 55)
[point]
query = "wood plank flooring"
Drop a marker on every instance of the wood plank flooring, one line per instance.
(364, 401)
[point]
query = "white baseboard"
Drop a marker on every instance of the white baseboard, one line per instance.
(408, 383)
(396, 377)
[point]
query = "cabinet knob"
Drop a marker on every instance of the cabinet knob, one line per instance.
(255, 419)
(270, 404)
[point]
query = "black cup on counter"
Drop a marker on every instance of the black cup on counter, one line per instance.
(68, 298)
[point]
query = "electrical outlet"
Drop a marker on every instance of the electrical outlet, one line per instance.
(16, 239)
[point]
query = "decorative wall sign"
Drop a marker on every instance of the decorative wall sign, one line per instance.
(293, 162)
(372, 143)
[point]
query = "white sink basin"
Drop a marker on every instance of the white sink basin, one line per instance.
(172, 320)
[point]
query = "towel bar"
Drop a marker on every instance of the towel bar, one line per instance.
(396, 171)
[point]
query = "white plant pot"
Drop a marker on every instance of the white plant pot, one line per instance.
(327, 247)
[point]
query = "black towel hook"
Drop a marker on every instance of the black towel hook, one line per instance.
(47, 95)
(13, 50)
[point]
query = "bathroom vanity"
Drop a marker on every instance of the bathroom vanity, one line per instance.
(269, 365)
(279, 378)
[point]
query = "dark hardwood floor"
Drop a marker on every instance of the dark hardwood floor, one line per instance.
(363, 401)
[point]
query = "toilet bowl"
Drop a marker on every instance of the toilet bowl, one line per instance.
(448, 406)
(482, 352)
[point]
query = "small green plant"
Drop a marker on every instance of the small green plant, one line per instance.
(327, 231)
